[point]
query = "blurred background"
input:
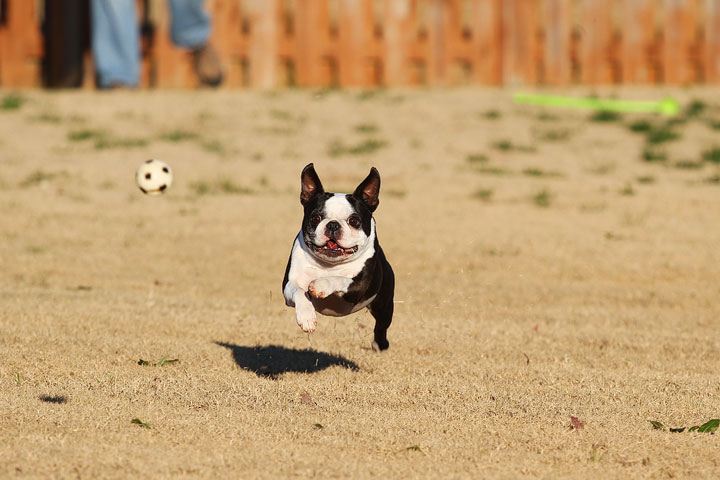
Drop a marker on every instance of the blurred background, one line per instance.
(366, 43)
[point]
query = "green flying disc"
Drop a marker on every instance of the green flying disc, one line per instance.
(667, 106)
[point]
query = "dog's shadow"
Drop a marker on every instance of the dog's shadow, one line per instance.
(271, 361)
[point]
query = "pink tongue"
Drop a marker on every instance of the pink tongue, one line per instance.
(332, 245)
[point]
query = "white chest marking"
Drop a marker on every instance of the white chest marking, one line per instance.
(305, 267)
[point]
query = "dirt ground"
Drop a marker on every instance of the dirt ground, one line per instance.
(545, 271)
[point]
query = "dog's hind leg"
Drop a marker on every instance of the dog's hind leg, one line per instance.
(382, 309)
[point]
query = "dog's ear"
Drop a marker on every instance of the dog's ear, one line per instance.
(310, 184)
(369, 190)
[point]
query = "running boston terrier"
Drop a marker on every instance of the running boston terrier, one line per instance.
(336, 265)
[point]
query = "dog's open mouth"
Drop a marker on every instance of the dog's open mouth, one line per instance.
(332, 249)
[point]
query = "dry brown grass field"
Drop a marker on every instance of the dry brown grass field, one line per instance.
(550, 264)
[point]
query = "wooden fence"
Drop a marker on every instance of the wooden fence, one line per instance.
(269, 43)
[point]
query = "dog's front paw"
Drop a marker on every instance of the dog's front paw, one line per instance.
(321, 288)
(306, 317)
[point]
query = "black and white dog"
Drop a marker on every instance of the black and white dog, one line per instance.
(336, 265)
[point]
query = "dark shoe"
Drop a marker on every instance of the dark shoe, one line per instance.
(207, 65)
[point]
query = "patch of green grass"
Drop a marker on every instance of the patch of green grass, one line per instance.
(711, 155)
(223, 185)
(214, 146)
(483, 194)
(605, 116)
(507, 145)
(654, 156)
(48, 117)
(178, 136)
(161, 363)
(107, 143)
(364, 147)
(661, 134)
(137, 421)
(675, 121)
(688, 165)
(645, 179)
(35, 249)
(627, 190)
(710, 426)
(284, 130)
(476, 158)
(412, 448)
(367, 128)
(603, 168)
(104, 141)
(537, 172)
(226, 185)
(695, 108)
(547, 117)
(714, 124)
(491, 114)
(201, 187)
(283, 115)
(18, 381)
(107, 185)
(396, 193)
(12, 101)
(504, 145)
(640, 126)
(593, 207)
(85, 134)
(368, 94)
(543, 198)
(554, 135)
(491, 170)
(715, 179)
(39, 176)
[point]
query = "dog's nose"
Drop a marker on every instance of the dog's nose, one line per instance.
(332, 227)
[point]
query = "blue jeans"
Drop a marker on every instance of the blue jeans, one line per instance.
(116, 36)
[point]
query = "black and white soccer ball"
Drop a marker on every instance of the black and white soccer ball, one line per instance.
(154, 177)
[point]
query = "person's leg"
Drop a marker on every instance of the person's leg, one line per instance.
(189, 23)
(115, 42)
(190, 28)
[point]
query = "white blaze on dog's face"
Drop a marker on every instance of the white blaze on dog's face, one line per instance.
(338, 227)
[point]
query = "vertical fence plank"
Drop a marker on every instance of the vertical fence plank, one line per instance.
(678, 39)
(486, 20)
(712, 42)
(556, 45)
(638, 36)
(519, 42)
(311, 36)
(264, 18)
(171, 67)
(455, 60)
(227, 39)
(595, 42)
(20, 45)
(418, 43)
(356, 25)
(438, 26)
(397, 34)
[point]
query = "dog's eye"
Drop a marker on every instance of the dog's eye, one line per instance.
(354, 221)
(315, 219)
